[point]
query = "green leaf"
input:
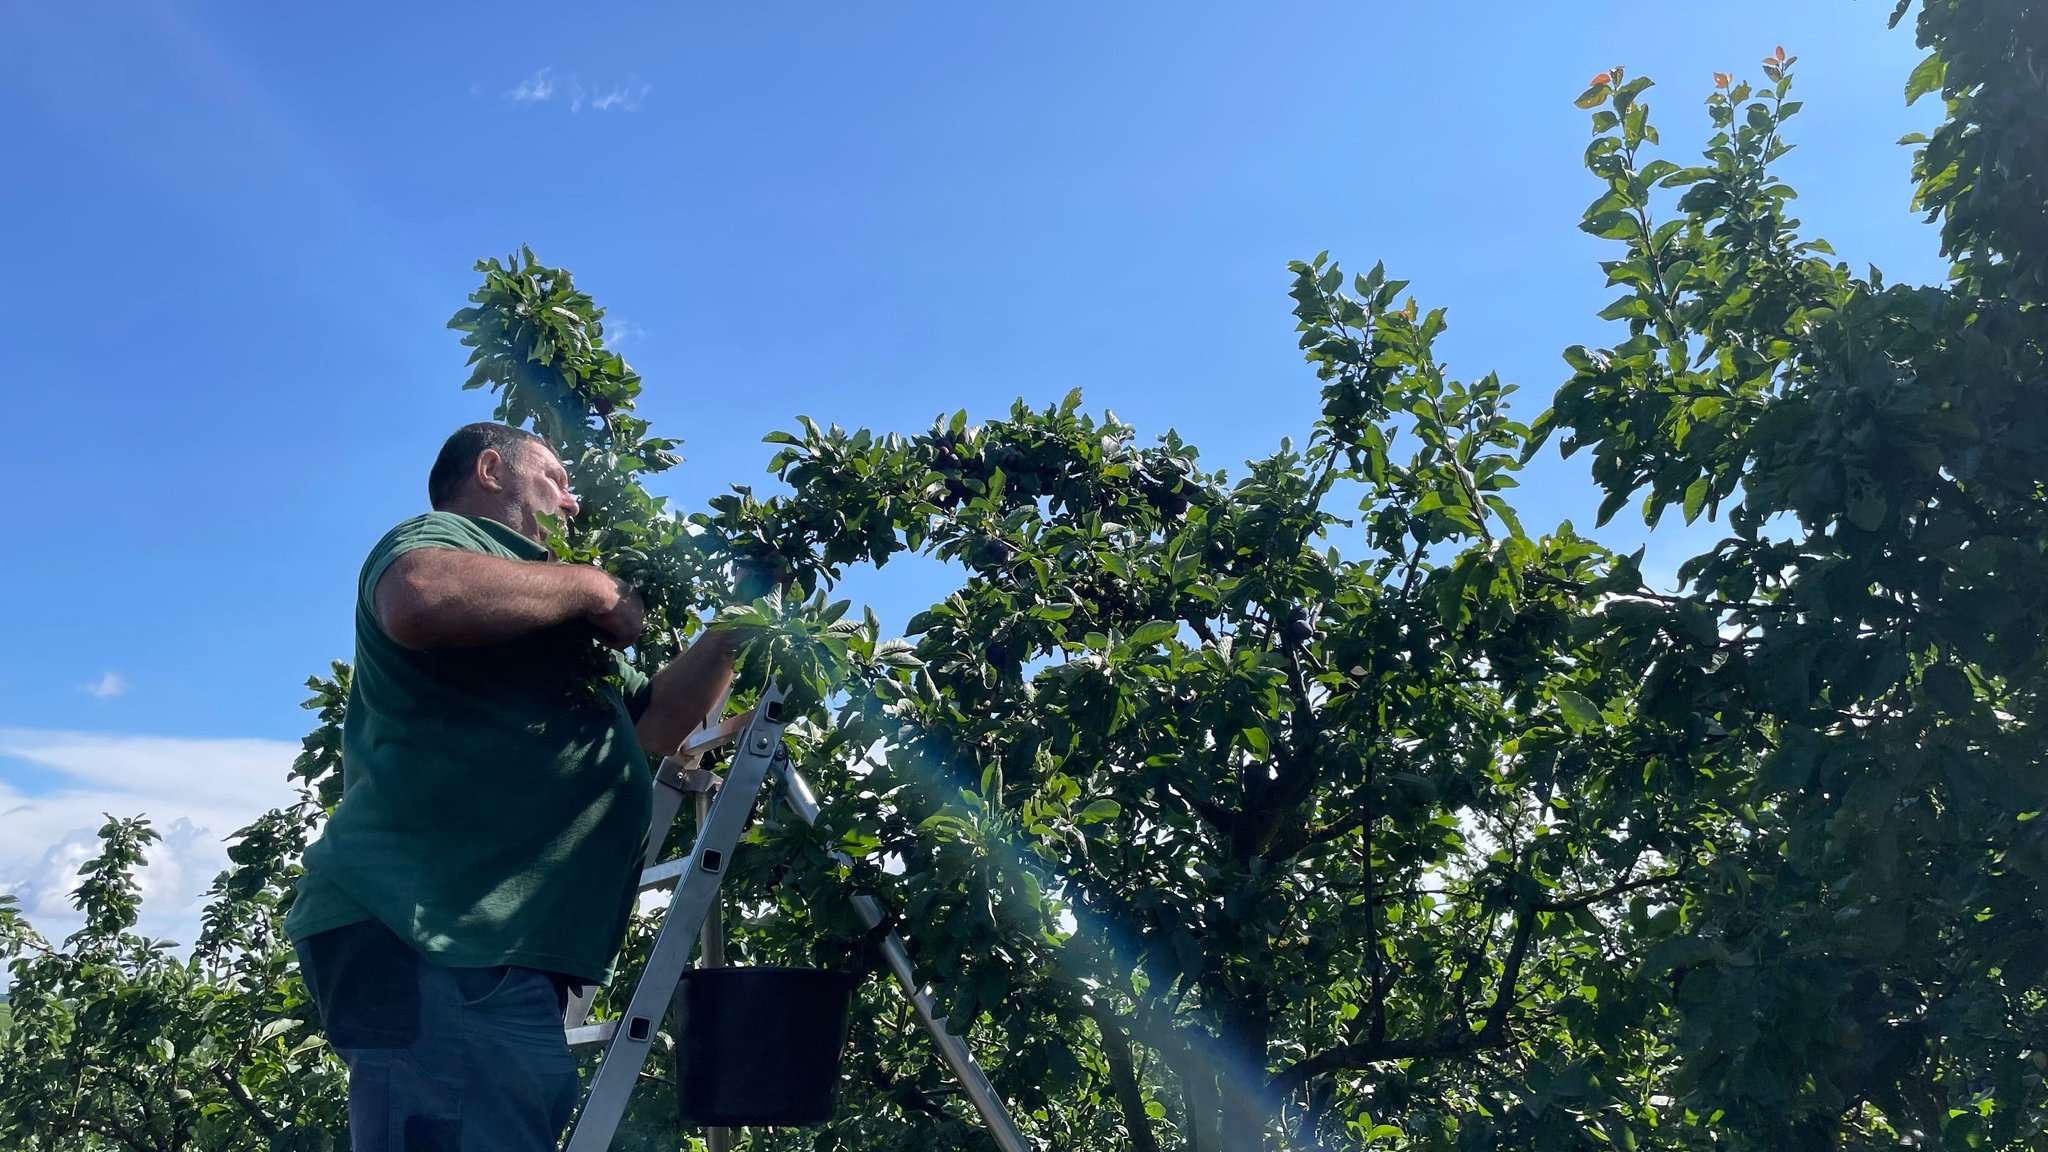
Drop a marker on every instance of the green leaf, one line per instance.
(1151, 633)
(1676, 952)
(1613, 502)
(1627, 308)
(1099, 810)
(1657, 170)
(1867, 506)
(1926, 77)
(1613, 225)
(1579, 712)
(316, 1040)
(898, 654)
(1696, 497)
(1948, 689)
(274, 1029)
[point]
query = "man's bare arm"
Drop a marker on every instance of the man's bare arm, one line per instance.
(449, 598)
(684, 691)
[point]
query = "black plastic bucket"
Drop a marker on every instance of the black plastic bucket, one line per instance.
(759, 1047)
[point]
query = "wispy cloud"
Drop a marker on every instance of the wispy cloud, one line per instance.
(544, 86)
(622, 98)
(56, 787)
(106, 687)
(538, 88)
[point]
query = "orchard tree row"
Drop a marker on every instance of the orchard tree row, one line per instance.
(1331, 805)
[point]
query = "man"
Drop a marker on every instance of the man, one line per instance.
(483, 856)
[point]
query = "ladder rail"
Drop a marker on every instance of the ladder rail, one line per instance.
(711, 954)
(677, 777)
(633, 1034)
(797, 794)
(724, 809)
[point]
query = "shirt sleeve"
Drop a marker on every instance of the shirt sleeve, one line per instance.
(428, 530)
(634, 687)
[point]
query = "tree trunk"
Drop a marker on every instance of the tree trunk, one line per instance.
(1223, 1082)
(1123, 1076)
(1247, 1108)
(1202, 1120)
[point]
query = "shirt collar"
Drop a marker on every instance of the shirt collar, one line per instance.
(510, 537)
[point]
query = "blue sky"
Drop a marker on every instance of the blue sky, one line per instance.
(237, 231)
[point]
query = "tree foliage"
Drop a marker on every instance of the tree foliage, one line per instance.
(115, 1043)
(1328, 806)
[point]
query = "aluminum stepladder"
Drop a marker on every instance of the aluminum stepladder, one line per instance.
(760, 756)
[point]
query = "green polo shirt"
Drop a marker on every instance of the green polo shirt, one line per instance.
(495, 799)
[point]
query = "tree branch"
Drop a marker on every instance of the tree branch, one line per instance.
(257, 1116)
(1378, 1027)
(1315, 837)
(906, 1094)
(1368, 1053)
(1573, 903)
(1211, 813)
(1297, 770)
(116, 1131)
(1116, 1048)
(1414, 567)
(1491, 1035)
(1510, 975)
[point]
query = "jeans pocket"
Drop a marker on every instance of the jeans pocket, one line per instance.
(477, 987)
(521, 1000)
(365, 983)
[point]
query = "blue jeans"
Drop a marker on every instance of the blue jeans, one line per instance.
(441, 1059)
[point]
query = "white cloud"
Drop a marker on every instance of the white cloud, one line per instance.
(538, 88)
(544, 86)
(618, 331)
(57, 789)
(624, 99)
(107, 687)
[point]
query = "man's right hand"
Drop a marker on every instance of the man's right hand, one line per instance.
(756, 576)
(619, 613)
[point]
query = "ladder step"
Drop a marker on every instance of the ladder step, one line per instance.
(718, 736)
(663, 874)
(583, 1036)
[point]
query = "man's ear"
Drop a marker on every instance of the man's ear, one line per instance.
(491, 469)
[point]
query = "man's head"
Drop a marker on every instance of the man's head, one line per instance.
(503, 473)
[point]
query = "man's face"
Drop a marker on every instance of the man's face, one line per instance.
(534, 483)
